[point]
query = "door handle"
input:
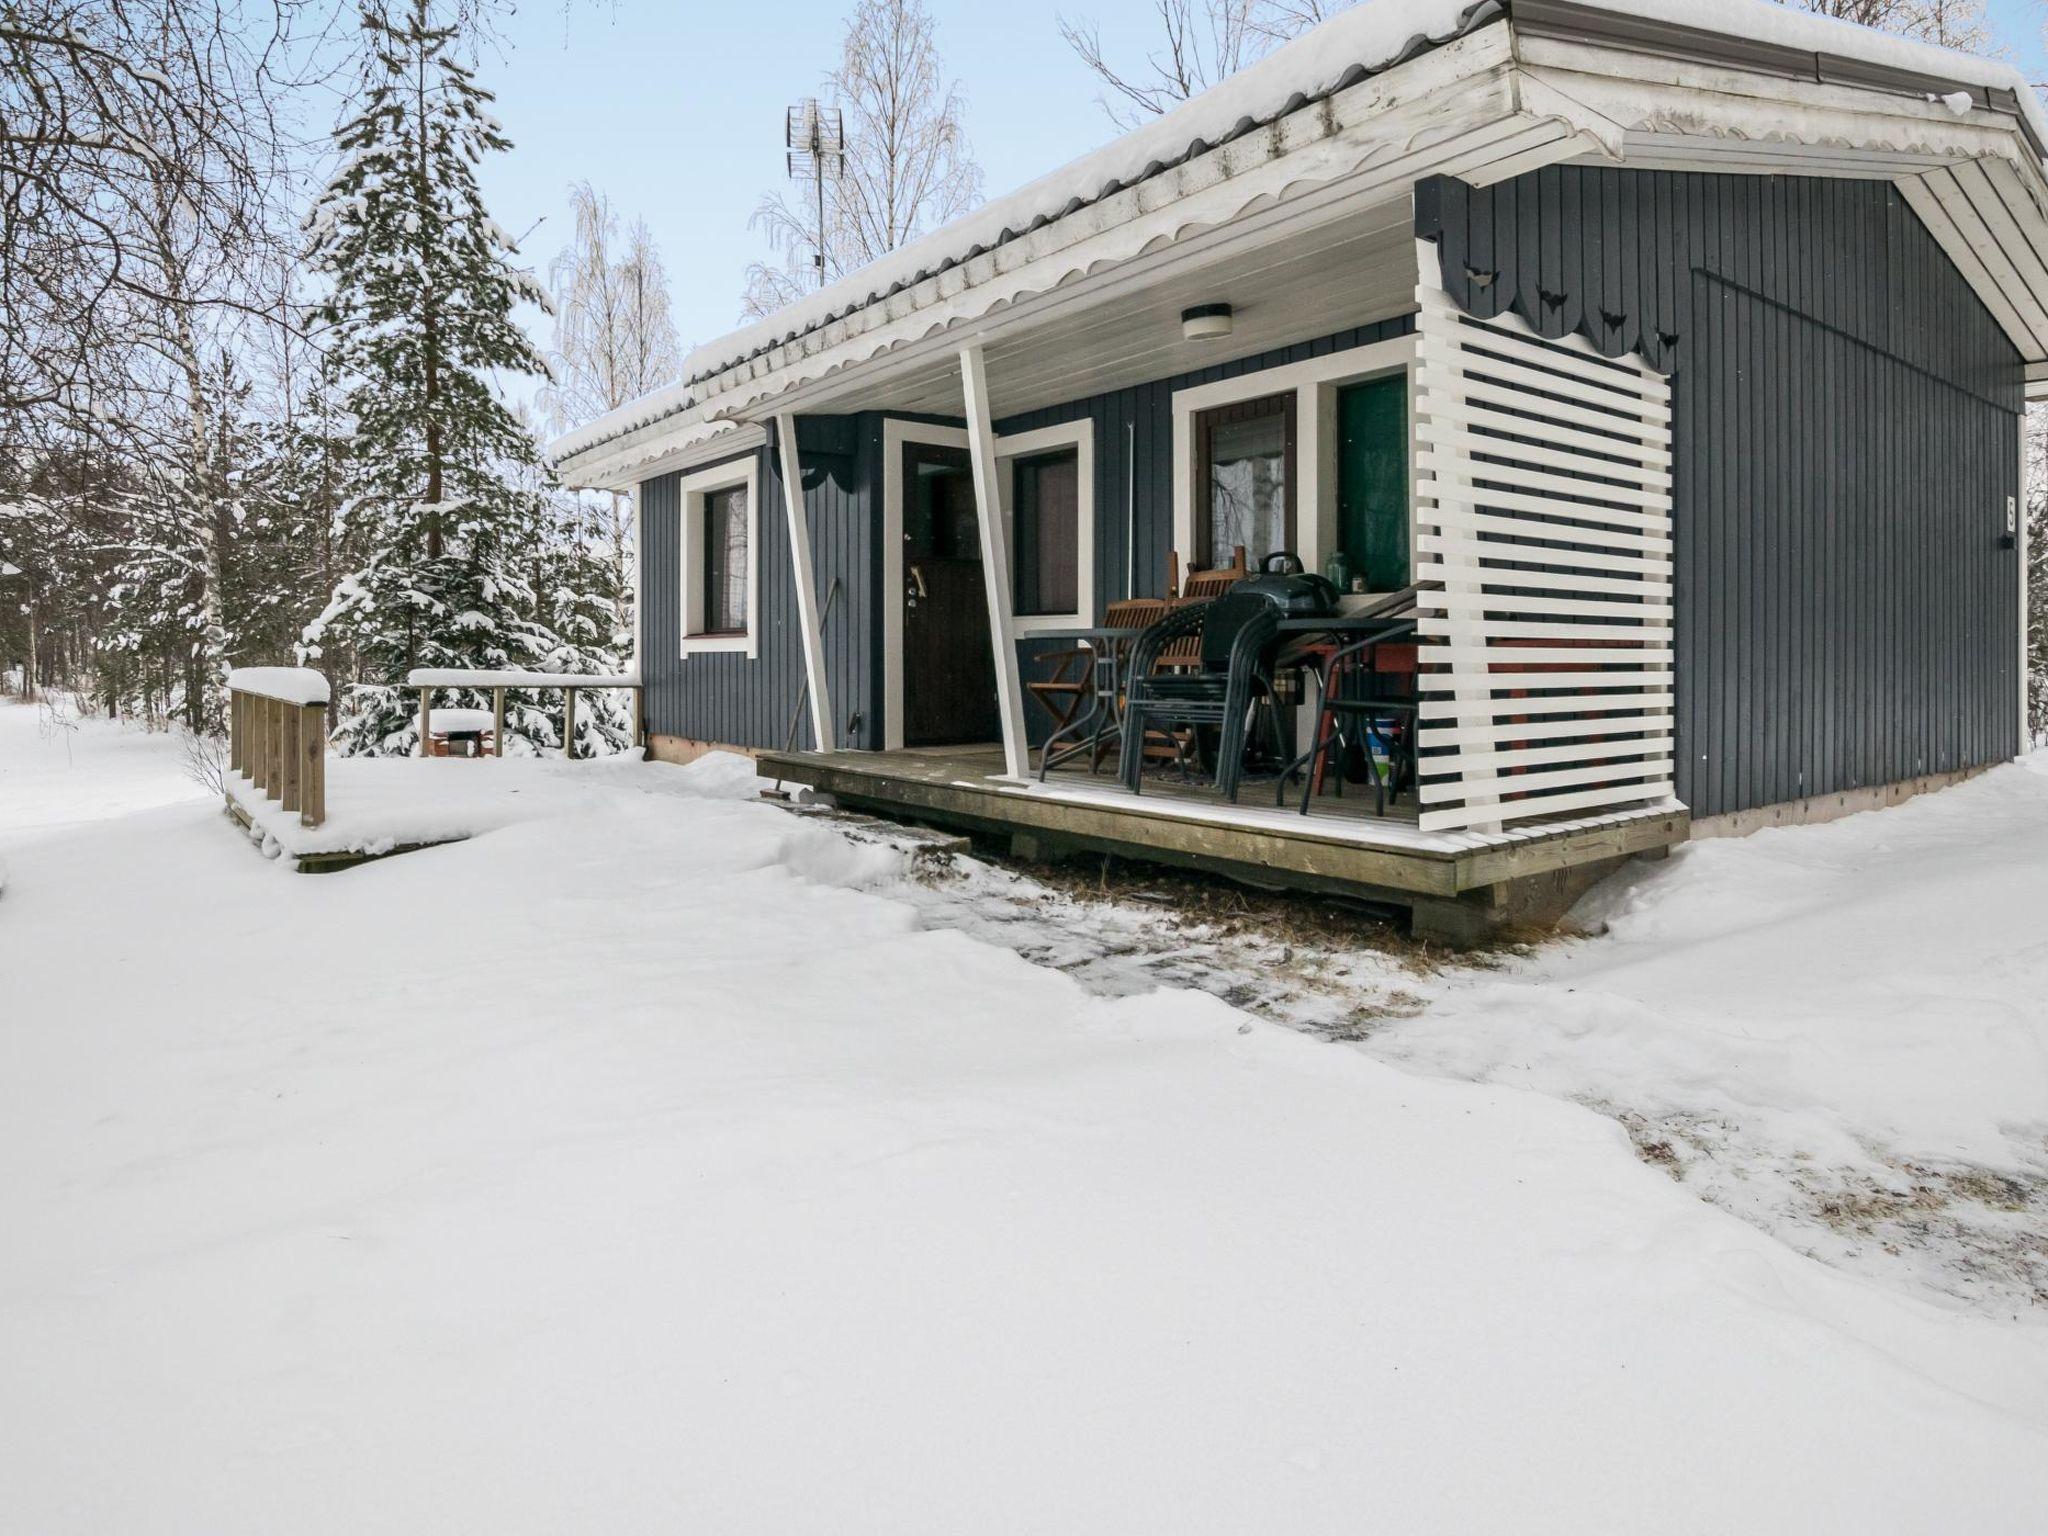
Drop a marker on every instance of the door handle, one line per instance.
(917, 578)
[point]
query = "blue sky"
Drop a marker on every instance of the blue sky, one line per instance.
(674, 109)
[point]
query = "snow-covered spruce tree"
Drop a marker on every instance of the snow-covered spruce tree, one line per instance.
(446, 512)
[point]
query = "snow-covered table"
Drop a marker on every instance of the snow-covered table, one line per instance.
(496, 683)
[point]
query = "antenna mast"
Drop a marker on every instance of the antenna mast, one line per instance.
(815, 138)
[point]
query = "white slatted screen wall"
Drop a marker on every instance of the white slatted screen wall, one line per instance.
(1543, 551)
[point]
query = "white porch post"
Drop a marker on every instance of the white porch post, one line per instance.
(995, 562)
(806, 585)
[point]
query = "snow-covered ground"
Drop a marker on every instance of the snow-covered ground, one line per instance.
(663, 1162)
(1839, 1033)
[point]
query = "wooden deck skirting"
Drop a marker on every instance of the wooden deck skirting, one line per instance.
(1309, 853)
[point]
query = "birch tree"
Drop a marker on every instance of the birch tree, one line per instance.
(908, 165)
(614, 341)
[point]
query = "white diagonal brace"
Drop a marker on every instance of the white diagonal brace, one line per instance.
(806, 585)
(995, 562)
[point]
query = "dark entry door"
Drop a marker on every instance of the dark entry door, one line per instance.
(949, 674)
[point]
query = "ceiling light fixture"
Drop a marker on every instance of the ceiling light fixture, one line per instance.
(1205, 322)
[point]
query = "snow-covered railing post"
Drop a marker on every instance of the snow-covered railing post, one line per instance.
(277, 736)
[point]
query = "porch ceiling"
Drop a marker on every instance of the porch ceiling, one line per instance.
(1127, 331)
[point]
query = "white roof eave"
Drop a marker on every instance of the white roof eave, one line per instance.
(1431, 114)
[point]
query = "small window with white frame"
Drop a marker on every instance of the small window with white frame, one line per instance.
(1048, 489)
(719, 557)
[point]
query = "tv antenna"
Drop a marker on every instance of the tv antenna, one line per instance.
(815, 137)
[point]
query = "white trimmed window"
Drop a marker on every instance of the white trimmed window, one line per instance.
(1048, 488)
(1304, 456)
(720, 557)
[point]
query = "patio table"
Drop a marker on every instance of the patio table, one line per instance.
(1101, 717)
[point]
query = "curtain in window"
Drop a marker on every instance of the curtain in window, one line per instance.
(1045, 506)
(1247, 479)
(725, 561)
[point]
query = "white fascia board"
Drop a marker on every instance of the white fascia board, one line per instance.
(1643, 93)
(678, 443)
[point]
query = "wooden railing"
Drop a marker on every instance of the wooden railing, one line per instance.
(277, 736)
(496, 684)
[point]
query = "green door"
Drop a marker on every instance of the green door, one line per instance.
(1372, 480)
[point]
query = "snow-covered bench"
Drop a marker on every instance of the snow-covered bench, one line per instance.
(427, 679)
(277, 736)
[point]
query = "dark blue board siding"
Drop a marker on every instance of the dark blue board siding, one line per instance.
(736, 701)
(1846, 432)
(743, 701)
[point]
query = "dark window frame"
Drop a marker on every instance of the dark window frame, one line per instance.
(715, 584)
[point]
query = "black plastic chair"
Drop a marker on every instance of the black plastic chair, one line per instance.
(1353, 714)
(1238, 630)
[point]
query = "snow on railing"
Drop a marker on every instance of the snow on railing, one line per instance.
(427, 679)
(277, 736)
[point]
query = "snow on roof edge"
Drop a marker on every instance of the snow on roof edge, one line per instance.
(1352, 45)
(1340, 52)
(1770, 21)
(1364, 40)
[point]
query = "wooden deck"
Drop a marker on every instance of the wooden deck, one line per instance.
(1341, 847)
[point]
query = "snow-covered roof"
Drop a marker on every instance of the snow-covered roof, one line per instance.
(1342, 51)
(1367, 39)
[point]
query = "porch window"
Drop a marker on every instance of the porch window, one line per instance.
(725, 561)
(1245, 480)
(1045, 497)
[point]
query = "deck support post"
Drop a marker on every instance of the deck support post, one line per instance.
(995, 562)
(426, 723)
(568, 722)
(497, 722)
(823, 739)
